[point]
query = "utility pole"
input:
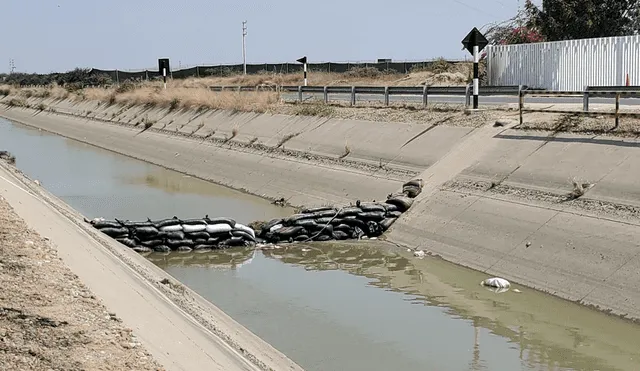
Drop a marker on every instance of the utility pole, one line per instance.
(244, 46)
(12, 66)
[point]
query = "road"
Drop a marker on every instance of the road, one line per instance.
(490, 100)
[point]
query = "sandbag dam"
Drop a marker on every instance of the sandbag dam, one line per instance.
(368, 304)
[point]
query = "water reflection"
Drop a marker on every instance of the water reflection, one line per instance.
(545, 333)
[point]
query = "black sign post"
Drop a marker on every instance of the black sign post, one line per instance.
(164, 69)
(474, 42)
(303, 60)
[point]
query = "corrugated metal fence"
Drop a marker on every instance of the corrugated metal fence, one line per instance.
(566, 65)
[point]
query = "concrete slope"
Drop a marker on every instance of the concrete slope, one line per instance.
(174, 338)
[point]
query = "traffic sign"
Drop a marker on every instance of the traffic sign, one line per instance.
(475, 38)
(302, 60)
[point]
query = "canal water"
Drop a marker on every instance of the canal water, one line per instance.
(348, 306)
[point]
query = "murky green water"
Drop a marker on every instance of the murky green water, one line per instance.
(332, 307)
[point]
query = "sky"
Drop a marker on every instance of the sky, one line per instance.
(59, 35)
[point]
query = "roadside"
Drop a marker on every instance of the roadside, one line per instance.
(48, 318)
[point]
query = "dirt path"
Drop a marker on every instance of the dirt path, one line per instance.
(48, 319)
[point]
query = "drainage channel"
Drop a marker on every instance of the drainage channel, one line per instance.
(346, 306)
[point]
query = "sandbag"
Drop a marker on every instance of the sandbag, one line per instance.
(145, 232)
(323, 238)
(393, 214)
(193, 222)
(166, 222)
(192, 228)
(402, 202)
(314, 210)
(212, 241)
(267, 227)
(325, 214)
(152, 243)
(201, 241)
(179, 235)
(391, 208)
(294, 218)
(171, 228)
(373, 229)
(214, 221)
(127, 242)
(373, 207)
(358, 233)
(411, 191)
(142, 249)
(340, 235)
(349, 211)
(344, 228)
(218, 228)
(161, 248)
(275, 228)
(372, 215)
(355, 223)
(248, 230)
(235, 242)
(306, 223)
(130, 224)
(323, 221)
(197, 236)
(114, 232)
(184, 249)
(386, 224)
(204, 247)
(243, 234)
(100, 224)
(289, 232)
(418, 183)
(301, 238)
(178, 243)
(322, 228)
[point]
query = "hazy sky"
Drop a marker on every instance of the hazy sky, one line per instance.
(59, 35)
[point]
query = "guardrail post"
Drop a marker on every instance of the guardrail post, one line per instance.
(386, 95)
(585, 99)
(300, 94)
(617, 111)
(521, 102)
(425, 92)
(326, 94)
(353, 95)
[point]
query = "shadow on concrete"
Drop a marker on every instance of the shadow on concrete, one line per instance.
(600, 141)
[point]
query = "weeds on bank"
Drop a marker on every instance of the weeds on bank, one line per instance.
(314, 109)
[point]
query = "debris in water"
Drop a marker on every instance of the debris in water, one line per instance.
(419, 254)
(496, 282)
(528, 244)
(517, 291)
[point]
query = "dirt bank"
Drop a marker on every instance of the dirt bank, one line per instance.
(181, 330)
(314, 161)
(48, 318)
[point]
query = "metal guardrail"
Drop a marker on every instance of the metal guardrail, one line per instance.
(386, 91)
(616, 92)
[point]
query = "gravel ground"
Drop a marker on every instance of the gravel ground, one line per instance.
(48, 319)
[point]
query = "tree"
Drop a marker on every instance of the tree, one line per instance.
(581, 19)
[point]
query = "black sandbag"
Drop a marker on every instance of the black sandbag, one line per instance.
(391, 208)
(323, 238)
(197, 236)
(349, 211)
(372, 215)
(141, 249)
(162, 248)
(166, 222)
(212, 241)
(267, 227)
(358, 233)
(355, 223)
(179, 235)
(127, 242)
(344, 228)
(235, 242)
(145, 232)
(372, 207)
(272, 237)
(243, 234)
(325, 214)
(287, 232)
(106, 224)
(386, 224)
(340, 235)
(201, 241)
(296, 217)
(193, 222)
(152, 243)
(130, 224)
(306, 223)
(411, 191)
(204, 247)
(178, 243)
(336, 221)
(328, 228)
(373, 229)
(418, 183)
(115, 232)
(229, 221)
(301, 238)
(393, 214)
(402, 202)
(314, 210)
(323, 221)
(184, 249)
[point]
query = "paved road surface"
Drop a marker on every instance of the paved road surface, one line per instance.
(491, 100)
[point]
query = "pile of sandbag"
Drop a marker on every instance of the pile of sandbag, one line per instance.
(178, 235)
(362, 220)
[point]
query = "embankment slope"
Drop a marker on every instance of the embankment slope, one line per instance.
(494, 201)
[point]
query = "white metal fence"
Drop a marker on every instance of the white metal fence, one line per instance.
(566, 65)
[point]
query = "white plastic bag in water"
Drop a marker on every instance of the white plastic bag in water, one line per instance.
(499, 283)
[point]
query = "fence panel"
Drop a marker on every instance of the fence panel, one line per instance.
(566, 65)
